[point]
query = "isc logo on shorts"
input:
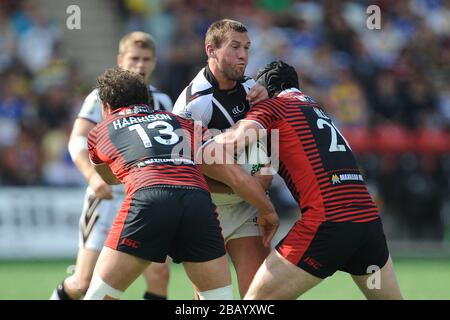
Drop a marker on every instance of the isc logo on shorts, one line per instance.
(312, 262)
(130, 243)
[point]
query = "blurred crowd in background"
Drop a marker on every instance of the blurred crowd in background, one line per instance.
(388, 90)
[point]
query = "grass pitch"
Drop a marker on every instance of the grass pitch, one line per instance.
(421, 279)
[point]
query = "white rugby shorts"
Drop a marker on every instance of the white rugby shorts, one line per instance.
(238, 220)
(97, 218)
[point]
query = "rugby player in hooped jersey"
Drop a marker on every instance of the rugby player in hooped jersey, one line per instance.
(340, 227)
(137, 53)
(167, 208)
(219, 96)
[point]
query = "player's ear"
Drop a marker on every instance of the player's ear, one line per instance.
(210, 51)
(106, 109)
(119, 60)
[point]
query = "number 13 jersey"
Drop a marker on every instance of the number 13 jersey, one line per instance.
(146, 148)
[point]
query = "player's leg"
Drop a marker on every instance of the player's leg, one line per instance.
(95, 221)
(371, 266)
(123, 256)
(247, 254)
(212, 278)
(157, 278)
(114, 272)
(279, 279)
(75, 286)
(199, 244)
(381, 285)
(241, 233)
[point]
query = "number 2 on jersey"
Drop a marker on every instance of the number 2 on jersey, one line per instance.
(334, 146)
(167, 131)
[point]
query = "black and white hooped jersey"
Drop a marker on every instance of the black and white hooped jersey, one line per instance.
(92, 107)
(218, 109)
(202, 100)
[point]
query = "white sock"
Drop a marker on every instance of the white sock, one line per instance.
(224, 293)
(55, 295)
(98, 290)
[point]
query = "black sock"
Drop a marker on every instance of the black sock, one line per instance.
(61, 292)
(152, 296)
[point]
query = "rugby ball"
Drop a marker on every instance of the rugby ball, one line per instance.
(253, 157)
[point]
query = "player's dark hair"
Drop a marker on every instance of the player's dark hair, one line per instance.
(217, 31)
(277, 76)
(121, 88)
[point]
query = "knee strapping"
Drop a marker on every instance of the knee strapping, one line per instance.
(99, 289)
(224, 293)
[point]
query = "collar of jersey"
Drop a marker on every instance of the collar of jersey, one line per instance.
(139, 108)
(210, 77)
(288, 91)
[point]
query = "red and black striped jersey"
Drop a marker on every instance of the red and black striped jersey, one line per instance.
(147, 148)
(315, 160)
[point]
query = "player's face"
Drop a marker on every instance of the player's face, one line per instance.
(139, 60)
(232, 56)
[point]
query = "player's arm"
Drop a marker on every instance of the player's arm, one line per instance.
(106, 174)
(80, 156)
(245, 186)
(265, 180)
(217, 186)
(240, 135)
(230, 138)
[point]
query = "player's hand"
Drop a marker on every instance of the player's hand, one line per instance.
(268, 225)
(101, 188)
(257, 93)
(265, 180)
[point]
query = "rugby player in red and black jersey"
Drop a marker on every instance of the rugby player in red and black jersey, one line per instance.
(137, 53)
(167, 210)
(340, 228)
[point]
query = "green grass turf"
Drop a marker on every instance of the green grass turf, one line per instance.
(418, 278)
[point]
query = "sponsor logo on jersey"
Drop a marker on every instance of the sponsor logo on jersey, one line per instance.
(335, 179)
(338, 178)
(238, 109)
(176, 161)
(136, 110)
